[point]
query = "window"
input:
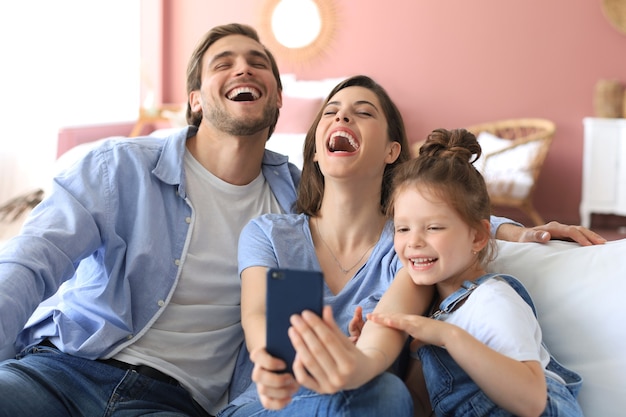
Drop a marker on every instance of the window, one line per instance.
(65, 62)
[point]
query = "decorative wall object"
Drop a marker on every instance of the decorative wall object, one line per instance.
(609, 99)
(298, 30)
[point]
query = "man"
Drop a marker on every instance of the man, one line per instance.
(140, 237)
(137, 244)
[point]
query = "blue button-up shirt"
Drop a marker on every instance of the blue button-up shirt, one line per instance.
(110, 239)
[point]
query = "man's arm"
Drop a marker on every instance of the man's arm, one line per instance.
(514, 232)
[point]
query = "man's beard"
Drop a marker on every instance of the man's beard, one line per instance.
(237, 126)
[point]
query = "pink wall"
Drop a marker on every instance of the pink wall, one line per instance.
(452, 64)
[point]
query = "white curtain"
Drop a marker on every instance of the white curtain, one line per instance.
(64, 63)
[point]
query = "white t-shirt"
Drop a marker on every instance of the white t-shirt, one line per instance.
(197, 337)
(496, 315)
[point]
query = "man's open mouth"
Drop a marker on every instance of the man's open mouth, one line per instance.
(244, 94)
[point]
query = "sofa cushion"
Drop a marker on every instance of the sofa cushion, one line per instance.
(579, 295)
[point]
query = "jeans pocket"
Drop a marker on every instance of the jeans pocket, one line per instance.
(561, 401)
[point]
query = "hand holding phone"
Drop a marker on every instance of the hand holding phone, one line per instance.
(289, 292)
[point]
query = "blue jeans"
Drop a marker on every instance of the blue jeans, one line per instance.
(47, 382)
(453, 393)
(386, 395)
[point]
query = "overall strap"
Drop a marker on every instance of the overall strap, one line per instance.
(451, 302)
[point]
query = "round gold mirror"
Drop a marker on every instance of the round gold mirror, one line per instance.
(297, 30)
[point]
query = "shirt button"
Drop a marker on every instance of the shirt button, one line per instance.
(177, 262)
(188, 220)
(161, 303)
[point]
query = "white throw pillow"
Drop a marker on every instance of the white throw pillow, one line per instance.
(508, 173)
(293, 87)
(290, 144)
(579, 295)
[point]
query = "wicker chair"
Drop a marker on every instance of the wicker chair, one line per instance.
(513, 153)
(511, 167)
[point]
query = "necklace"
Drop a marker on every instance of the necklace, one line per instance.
(341, 268)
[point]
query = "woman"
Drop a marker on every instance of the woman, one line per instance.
(349, 153)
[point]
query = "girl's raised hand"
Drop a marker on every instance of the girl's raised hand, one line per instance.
(356, 324)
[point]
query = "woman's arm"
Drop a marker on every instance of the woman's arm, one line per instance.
(275, 389)
(381, 343)
(253, 290)
(552, 230)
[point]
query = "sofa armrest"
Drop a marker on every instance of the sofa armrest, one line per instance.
(579, 295)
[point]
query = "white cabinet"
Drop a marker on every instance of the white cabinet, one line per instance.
(604, 168)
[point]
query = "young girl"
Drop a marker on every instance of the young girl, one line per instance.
(481, 348)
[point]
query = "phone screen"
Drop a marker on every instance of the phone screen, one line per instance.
(289, 292)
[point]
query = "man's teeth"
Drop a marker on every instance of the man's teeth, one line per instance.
(338, 142)
(423, 261)
(252, 92)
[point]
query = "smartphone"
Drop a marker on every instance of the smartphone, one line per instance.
(289, 291)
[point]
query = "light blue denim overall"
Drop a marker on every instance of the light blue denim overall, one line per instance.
(453, 393)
